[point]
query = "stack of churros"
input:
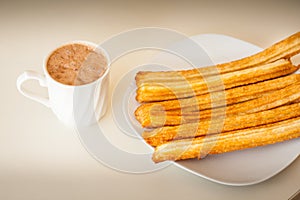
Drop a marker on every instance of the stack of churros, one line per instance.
(254, 101)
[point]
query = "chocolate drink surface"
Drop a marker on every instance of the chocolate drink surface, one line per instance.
(76, 64)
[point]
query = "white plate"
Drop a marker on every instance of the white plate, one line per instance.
(245, 167)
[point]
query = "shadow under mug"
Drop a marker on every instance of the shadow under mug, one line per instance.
(78, 105)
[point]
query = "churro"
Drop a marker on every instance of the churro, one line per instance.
(233, 95)
(234, 122)
(149, 92)
(229, 141)
(152, 119)
(286, 48)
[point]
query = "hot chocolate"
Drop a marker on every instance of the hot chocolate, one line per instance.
(76, 64)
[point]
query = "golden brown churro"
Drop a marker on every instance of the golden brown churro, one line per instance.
(229, 141)
(205, 127)
(233, 95)
(283, 49)
(265, 102)
(148, 92)
(250, 102)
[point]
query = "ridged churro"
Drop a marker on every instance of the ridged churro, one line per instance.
(286, 48)
(267, 101)
(234, 122)
(148, 92)
(229, 141)
(233, 95)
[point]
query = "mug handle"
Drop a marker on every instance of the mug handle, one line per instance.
(31, 75)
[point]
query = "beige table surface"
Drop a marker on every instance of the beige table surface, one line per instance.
(41, 159)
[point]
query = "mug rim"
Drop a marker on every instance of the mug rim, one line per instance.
(86, 43)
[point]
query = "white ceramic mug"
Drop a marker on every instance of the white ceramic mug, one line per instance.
(80, 105)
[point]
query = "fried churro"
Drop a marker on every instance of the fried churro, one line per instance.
(233, 95)
(149, 92)
(283, 49)
(267, 101)
(234, 122)
(229, 141)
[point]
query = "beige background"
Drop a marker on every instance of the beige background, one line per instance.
(41, 159)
